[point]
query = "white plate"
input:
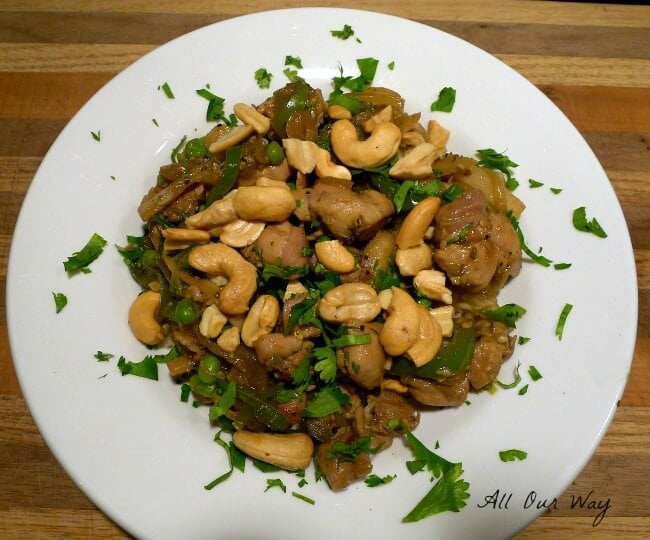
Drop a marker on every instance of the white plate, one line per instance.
(143, 457)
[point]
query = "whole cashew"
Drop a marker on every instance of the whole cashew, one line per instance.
(416, 223)
(350, 301)
(261, 319)
(372, 152)
(333, 255)
(326, 167)
(220, 259)
(383, 116)
(338, 112)
(411, 261)
(416, 164)
(142, 318)
(232, 137)
(402, 327)
(182, 238)
(255, 203)
(429, 339)
(250, 117)
(290, 451)
(218, 213)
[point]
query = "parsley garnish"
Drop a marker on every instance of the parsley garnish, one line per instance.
(512, 183)
(303, 497)
(410, 193)
(155, 122)
(60, 301)
(452, 192)
(327, 401)
(508, 314)
(373, 480)
(534, 373)
(185, 392)
(521, 340)
(275, 482)
(79, 260)
(102, 356)
(235, 460)
(391, 65)
(343, 452)
(450, 490)
(215, 111)
(147, 368)
(562, 266)
(293, 61)
(523, 390)
(535, 257)
(492, 159)
(264, 466)
(263, 78)
(592, 226)
(445, 101)
(287, 272)
(512, 455)
(345, 33)
(326, 364)
(534, 183)
(167, 90)
(97, 136)
(348, 340)
(559, 329)
(367, 70)
(385, 278)
(292, 75)
(226, 401)
(514, 383)
(555, 190)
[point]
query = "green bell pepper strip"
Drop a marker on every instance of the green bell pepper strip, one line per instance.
(287, 104)
(452, 358)
(228, 177)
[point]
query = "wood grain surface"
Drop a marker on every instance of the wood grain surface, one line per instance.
(592, 60)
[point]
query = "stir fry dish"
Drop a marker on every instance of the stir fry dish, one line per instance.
(323, 272)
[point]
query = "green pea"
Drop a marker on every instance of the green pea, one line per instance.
(149, 258)
(209, 368)
(275, 153)
(200, 388)
(195, 148)
(186, 311)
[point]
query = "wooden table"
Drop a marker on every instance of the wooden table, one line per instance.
(592, 60)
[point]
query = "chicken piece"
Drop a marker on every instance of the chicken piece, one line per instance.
(281, 354)
(493, 346)
(508, 249)
(364, 364)
(449, 392)
(386, 406)
(349, 215)
(282, 244)
(340, 473)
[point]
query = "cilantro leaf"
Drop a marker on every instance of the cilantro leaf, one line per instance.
(508, 314)
(559, 329)
(291, 74)
(534, 373)
(226, 401)
(186, 389)
(446, 100)
(391, 65)
(523, 390)
(102, 356)
(373, 480)
(535, 257)
(60, 301)
(562, 266)
(293, 61)
(556, 191)
(581, 223)
(327, 401)
(263, 78)
(492, 159)
(534, 183)
(275, 482)
(97, 136)
(367, 70)
(521, 340)
(229, 453)
(167, 90)
(512, 455)
(147, 368)
(345, 33)
(79, 260)
(346, 452)
(385, 278)
(326, 364)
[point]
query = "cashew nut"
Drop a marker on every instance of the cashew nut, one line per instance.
(241, 233)
(372, 152)
(444, 315)
(218, 213)
(412, 260)
(429, 339)
(438, 134)
(301, 155)
(431, 283)
(142, 318)
(383, 116)
(294, 288)
(401, 329)
(232, 137)
(212, 322)
(290, 451)
(412, 138)
(416, 164)
(249, 116)
(220, 259)
(263, 181)
(182, 238)
(326, 167)
(261, 319)
(256, 203)
(229, 339)
(350, 301)
(333, 255)
(416, 223)
(338, 112)
(394, 386)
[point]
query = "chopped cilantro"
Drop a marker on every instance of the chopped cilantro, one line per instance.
(345, 33)
(535, 257)
(97, 136)
(226, 401)
(327, 401)
(512, 455)
(102, 356)
(385, 278)
(177, 149)
(293, 61)
(523, 390)
(167, 90)
(113, 177)
(291, 74)
(303, 497)
(264, 466)
(263, 78)
(229, 452)
(275, 482)
(562, 266)
(461, 234)
(373, 480)
(60, 301)
(367, 70)
(534, 373)
(534, 183)
(326, 364)
(215, 111)
(508, 314)
(343, 452)
(452, 192)
(492, 159)
(348, 340)
(559, 329)
(155, 122)
(302, 482)
(391, 65)
(512, 183)
(287, 272)
(555, 190)
(185, 392)
(410, 193)
(446, 100)
(514, 383)
(79, 260)
(147, 368)
(592, 226)
(521, 340)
